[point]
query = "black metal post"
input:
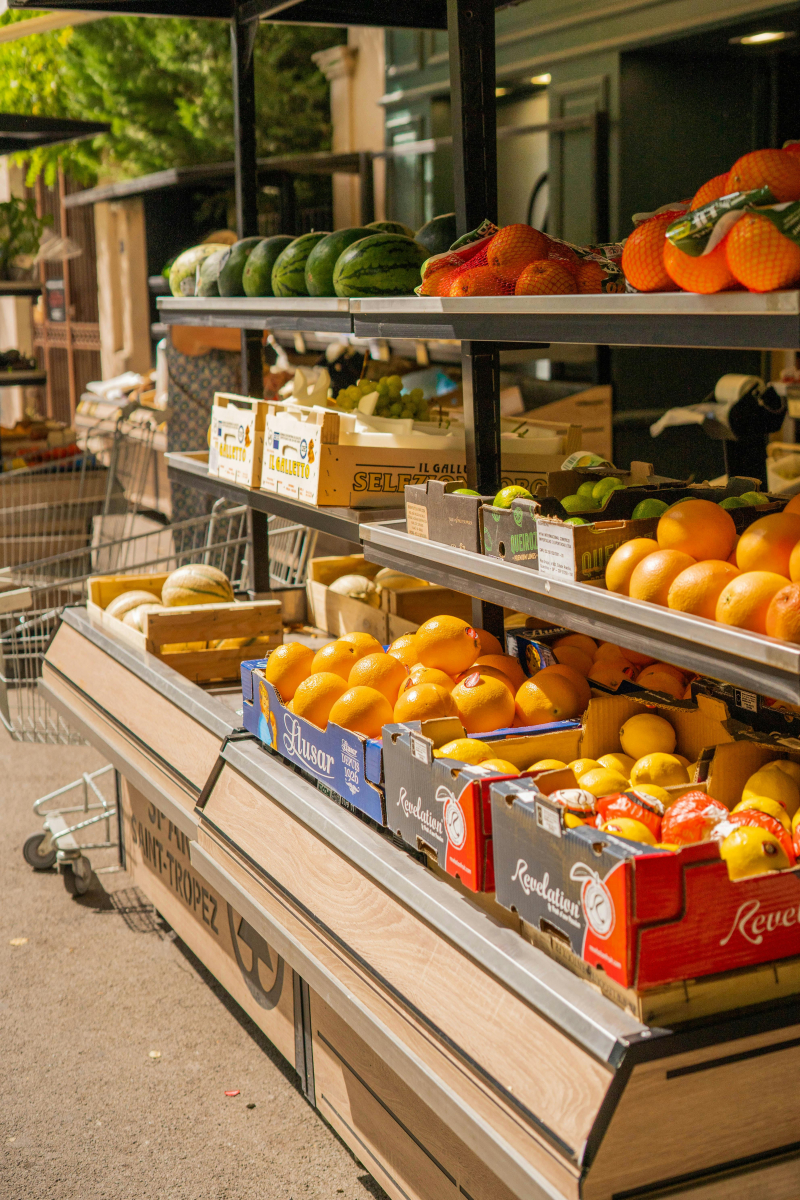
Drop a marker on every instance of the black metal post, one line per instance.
(258, 536)
(366, 169)
(243, 37)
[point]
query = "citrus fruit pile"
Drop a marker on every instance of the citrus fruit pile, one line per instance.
(698, 564)
(609, 665)
(753, 254)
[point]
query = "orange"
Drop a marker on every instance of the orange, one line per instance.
(424, 701)
(767, 544)
(662, 681)
(574, 657)
(609, 673)
(577, 680)
(379, 671)
(364, 643)
(783, 614)
(547, 278)
(653, 577)
(662, 668)
(794, 564)
(338, 657)
(316, 696)
(547, 698)
(696, 590)
(503, 662)
(776, 169)
(362, 710)
(611, 650)
(513, 247)
(746, 600)
(643, 256)
(488, 642)
(438, 282)
(404, 649)
(492, 672)
(478, 281)
(793, 505)
(447, 643)
(712, 190)
(623, 562)
(581, 640)
(420, 674)
(697, 527)
(484, 704)
(706, 273)
(760, 257)
(287, 667)
(732, 556)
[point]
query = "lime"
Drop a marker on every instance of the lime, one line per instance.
(576, 521)
(464, 492)
(587, 488)
(733, 502)
(649, 508)
(577, 504)
(755, 498)
(606, 486)
(507, 494)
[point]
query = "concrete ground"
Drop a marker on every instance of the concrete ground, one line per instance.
(89, 987)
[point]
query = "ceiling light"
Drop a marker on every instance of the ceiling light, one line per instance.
(541, 80)
(761, 39)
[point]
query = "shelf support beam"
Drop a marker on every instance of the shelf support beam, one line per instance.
(243, 37)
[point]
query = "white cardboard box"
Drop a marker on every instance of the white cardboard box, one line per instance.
(237, 438)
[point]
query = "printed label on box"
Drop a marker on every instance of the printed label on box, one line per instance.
(235, 447)
(421, 749)
(417, 520)
(291, 457)
(747, 700)
(556, 550)
(548, 820)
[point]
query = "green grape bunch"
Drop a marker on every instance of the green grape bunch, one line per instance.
(392, 400)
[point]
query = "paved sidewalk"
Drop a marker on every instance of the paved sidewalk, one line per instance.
(99, 984)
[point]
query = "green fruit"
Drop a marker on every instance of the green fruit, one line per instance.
(396, 227)
(649, 508)
(586, 488)
(230, 275)
(257, 274)
(507, 494)
(756, 499)
(606, 486)
(577, 504)
(576, 521)
(382, 265)
(289, 272)
(322, 259)
(207, 283)
(438, 234)
(464, 492)
(734, 502)
(183, 271)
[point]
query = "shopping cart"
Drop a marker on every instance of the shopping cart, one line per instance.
(58, 844)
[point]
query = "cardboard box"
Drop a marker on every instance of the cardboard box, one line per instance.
(435, 514)
(443, 807)
(750, 717)
(237, 438)
(345, 765)
(188, 623)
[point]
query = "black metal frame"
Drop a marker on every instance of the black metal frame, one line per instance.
(20, 133)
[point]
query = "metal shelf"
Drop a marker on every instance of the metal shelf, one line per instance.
(192, 471)
(22, 378)
(304, 314)
(740, 320)
(760, 664)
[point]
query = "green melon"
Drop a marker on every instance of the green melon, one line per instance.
(257, 274)
(438, 234)
(322, 259)
(289, 272)
(183, 271)
(230, 275)
(392, 227)
(207, 283)
(381, 265)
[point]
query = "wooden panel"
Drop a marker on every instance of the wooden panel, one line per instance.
(539, 1066)
(157, 859)
(400, 1140)
(181, 741)
(737, 1105)
(342, 614)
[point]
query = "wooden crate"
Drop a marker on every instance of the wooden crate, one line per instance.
(407, 609)
(342, 614)
(189, 623)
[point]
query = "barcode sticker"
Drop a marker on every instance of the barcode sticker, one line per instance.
(421, 749)
(747, 700)
(548, 820)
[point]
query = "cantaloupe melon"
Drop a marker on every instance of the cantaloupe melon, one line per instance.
(135, 616)
(182, 647)
(358, 587)
(128, 600)
(196, 583)
(234, 643)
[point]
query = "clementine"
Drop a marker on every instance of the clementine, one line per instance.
(362, 710)
(697, 589)
(484, 704)
(779, 170)
(653, 577)
(643, 256)
(783, 615)
(697, 527)
(706, 273)
(760, 257)
(622, 564)
(548, 278)
(711, 190)
(746, 600)
(513, 247)
(767, 544)
(478, 281)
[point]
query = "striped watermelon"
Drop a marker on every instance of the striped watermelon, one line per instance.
(196, 583)
(289, 272)
(384, 264)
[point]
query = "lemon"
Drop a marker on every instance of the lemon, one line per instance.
(654, 792)
(618, 762)
(647, 734)
(792, 769)
(579, 766)
(586, 488)
(547, 764)
(750, 850)
(628, 827)
(602, 782)
(468, 750)
(501, 766)
(775, 784)
(682, 760)
(664, 770)
(771, 807)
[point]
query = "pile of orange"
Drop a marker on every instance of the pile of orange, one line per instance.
(754, 254)
(697, 564)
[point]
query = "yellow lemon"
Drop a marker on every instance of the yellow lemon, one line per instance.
(623, 763)
(580, 766)
(655, 793)
(602, 782)
(765, 805)
(792, 769)
(628, 827)
(662, 769)
(501, 765)
(647, 734)
(468, 750)
(775, 784)
(548, 764)
(750, 850)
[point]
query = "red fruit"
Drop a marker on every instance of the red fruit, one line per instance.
(753, 817)
(546, 278)
(712, 190)
(479, 281)
(692, 819)
(632, 804)
(779, 170)
(513, 247)
(643, 256)
(705, 274)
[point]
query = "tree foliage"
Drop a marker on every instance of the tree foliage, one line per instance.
(164, 85)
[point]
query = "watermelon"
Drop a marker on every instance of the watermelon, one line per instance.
(257, 274)
(438, 234)
(184, 268)
(384, 264)
(391, 227)
(230, 275)
(289, 272)
(207, 282)
(322, 259)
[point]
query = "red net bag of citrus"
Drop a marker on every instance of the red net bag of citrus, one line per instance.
(453, 260)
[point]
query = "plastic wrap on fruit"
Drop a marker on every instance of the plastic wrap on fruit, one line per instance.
(636, 805)
(692, 819)
(755, 819)
(578, 805)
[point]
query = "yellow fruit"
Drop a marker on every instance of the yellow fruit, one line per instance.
(698, 528)
(316, 696)
(188, 647)
(338, 657)
(790, 768)
(765, 805)
(580, 766)
(624, 561)
(654, 792)
(447, 643)
(196, 583)
(575, 657)
(540, 701)
(364, 643)
(420, 674)
(664, 770)
(583, 691)
(776, 785)
(468, 750)
(581, 640)
(287, 667)
(628, 827)
(380, 671)
(484, 704)
(547, 764)
(488, 642)
(750, 850)
(424, 702)
(404, 648)
(128, 600)
(682, 759)
(602, 782)
(506, 664)
(362, 710)
(501, 766)
(647, 734)
(623, 763)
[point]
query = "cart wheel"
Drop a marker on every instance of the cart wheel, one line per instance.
(76, 885)
(32, 856)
